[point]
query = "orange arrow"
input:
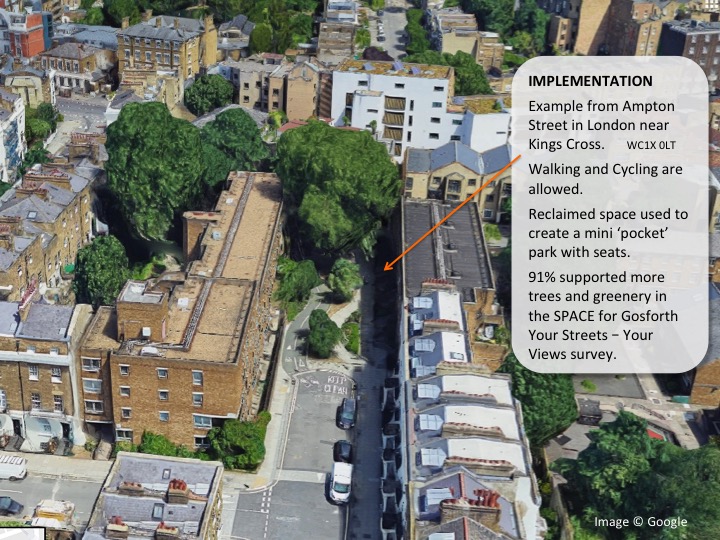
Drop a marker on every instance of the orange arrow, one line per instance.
(389, 265)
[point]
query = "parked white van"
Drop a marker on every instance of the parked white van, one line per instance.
(340, 483)
(12, 467)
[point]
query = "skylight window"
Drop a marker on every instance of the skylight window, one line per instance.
(32, 214)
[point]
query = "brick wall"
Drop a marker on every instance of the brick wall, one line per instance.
(302, 93)
(132, 317)
(706, 388)
(592, 26)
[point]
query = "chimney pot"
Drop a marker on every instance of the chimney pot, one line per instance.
(177, 23)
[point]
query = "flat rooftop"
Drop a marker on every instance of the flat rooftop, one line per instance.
(466, 387)
(135, 291)
(396, 69)
(455, 251)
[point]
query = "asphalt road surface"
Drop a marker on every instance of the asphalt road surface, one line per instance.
(30, 491)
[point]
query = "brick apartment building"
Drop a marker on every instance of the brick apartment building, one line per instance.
(25, 34)
(698, 41)
(79, 67)
(614, 27)
(37, 372)
(168, 44)
(43, 224)
(455, 171)
(180, 354)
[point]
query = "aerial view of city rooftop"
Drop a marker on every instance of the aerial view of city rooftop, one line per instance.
(201, 333)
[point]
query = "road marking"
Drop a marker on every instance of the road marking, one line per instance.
(9, 491)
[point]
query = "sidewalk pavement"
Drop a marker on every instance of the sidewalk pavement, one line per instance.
(68, 468)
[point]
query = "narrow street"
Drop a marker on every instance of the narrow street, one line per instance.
(295, 504)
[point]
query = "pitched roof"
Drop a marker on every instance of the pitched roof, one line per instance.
(75, 51)
(45, 321)
(187, 29)
(456, 152)
(45, 211)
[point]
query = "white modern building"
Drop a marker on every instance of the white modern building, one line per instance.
(12, 125)
(412, 105)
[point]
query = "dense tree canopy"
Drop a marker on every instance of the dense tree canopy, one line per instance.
(324, 334)
(297, 280)
(548, 400)
(100, 271)
(154, 166)
(470, 76)
(236, 134)
(492, 15)
(341, 183)
(344, 278)
(116, 10)
(417, 41)
(623, 465)
(207, 93)
(261, 39)
(240, 445)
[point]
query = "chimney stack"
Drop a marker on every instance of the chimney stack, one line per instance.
(125, 23)
(177, 23)
(158, 22)
(147, 15)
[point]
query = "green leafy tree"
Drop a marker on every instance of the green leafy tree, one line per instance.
(533, 21)
(301, 26)
(207, 93)
(492, 15)
(548, 400)
(94, 16)
(49, 114)
(362, 38)
(417, 41)
(36, 129)
(236, 134)
(101, 271)
(117, 10)
(341, 183)
(470, 77)
(159, 445)
(154, 167)
(240, 445)
(297, 280)
(35, 154)
(216, 165)
(324, 334)
(344, 278)
(261, 39)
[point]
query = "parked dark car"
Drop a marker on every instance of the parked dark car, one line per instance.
(342, 452)
(10, 507)
(346, 413)
(380, 12)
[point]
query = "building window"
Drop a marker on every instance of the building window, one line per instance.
(95, 407)
(164, 416)
(409, 136)
(56, 374)
(124, 370)
(91, 364)
(58, 405)
(33, 372)
(148, 57)
(157, 512)
(399, 85)
(162, 373)
(472, 181)
(92, 386)
(246, 86)
(123, 434)
(487, 214)
(365, 83)
(410, 121)
(412, 104)
(125, 391)
(457, 122)
(438, 89)
(201, 442)
(158, 43)
(691, 50)
(176, 58)
(202, 422)
(373, 111)
(163, 395)
(454, 137)
(434, 120)
(434, 136)
(35, 401)
(436, 180)
(408, 183)
(127, 54)
(158, 58)
(197, 399)
(437, 104)
(126, 413)
(54, 351)
(197, 378)
(167, 58)
(246, 99)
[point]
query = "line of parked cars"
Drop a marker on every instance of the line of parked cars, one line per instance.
(341, 478)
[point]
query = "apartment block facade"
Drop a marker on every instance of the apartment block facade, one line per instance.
(35, 86)
(168, 44)
(79, 67)
(454, 171)
(698, 41)
(12, 129)
(180, 354)
(43, 224)
(37, 371)
(412, 105)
